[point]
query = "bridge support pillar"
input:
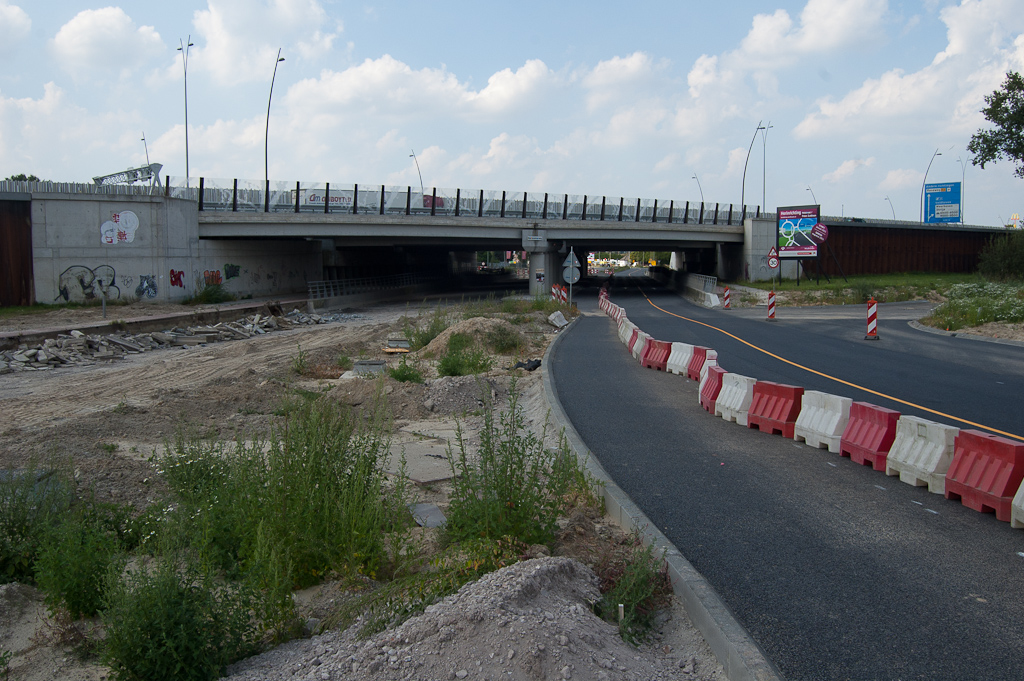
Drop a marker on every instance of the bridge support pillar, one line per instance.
(544, 257)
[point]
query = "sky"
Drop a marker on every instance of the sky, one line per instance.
(598, 98)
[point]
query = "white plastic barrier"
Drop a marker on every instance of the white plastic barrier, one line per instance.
(710, 360)
(822, 420)
(679, 358)
(921, 453)
(734, 401)
(626, 330)
(638, 347)
(1017, 509)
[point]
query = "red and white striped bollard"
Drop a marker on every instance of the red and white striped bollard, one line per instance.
(771, 306)
(872, 320)
(726, 304)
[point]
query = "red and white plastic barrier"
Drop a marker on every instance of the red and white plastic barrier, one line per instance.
(711, 387)
(872, 333)
(679, 359)
(771, 306)
(921, 453)
(726, 303)
(986, 472)
(869, 434)
(822, 420)
(733, 401)
(774, 408)
(1017, 509)
(655, 356)
(697, 359)
(641, 342)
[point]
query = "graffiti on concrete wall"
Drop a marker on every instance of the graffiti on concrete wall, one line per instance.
(79, 283)
(213, 277)
(178, 278)
(231, 271)
(147, 286)
(120, 228)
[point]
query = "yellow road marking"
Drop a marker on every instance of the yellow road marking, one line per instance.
(837, 380)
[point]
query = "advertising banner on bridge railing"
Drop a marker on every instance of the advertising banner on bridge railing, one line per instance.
(795, 235)
(942, 202)
(316, 196)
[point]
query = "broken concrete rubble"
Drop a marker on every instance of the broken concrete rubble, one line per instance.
(77, 348)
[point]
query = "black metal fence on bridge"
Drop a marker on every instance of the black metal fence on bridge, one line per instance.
(300, 197)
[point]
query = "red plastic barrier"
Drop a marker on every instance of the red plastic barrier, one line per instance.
(869, 434)
(632, 339)
(700, 355)
(712, 386)
(986, 472)
(774, 407)
(656, 354)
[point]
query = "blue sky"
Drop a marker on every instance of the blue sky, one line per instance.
(602, 98)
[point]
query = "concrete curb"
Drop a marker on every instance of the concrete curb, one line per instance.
(738, 653)
(960, 334)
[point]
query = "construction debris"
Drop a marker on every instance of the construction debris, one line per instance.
(79, 349)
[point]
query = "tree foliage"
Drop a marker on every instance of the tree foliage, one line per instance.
(1006, 140)
(22, 177)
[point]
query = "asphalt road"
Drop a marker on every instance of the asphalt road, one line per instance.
(838, 571)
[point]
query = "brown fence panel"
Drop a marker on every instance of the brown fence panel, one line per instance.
(862, 249)
(16, 286)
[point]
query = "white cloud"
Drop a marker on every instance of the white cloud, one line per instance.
(983, 41)
(507, 90)
(104, 40)
(614, 79)
(846, 168)
(15, 25)
(240, 38)
(703, 73)
(901, 178)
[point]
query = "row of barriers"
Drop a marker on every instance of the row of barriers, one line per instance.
(984, 472)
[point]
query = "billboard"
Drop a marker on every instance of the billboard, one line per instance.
(942, 202)
(793, 234)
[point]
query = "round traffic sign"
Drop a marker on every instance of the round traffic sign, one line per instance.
(571, 275)
(773, 262)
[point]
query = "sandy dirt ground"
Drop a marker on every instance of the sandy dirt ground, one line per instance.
(532, 620)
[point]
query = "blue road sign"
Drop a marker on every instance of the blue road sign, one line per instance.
(942, 202)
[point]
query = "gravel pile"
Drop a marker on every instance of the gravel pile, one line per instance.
(531, 620)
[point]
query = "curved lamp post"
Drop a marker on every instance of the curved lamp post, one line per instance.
(891, 207)
(699, 188)
(925, 180)
(743, 191)
(813, 197)
(764, 162)
(417, 162)
(266, 141)
(183, 48)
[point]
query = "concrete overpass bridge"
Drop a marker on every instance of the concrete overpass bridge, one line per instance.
(464, 221)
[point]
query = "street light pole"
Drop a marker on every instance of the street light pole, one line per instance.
(890, 206)
(764, 162)
(700, 188)
(417, 162)
(812, 194)
(743, 192)
(925, 180)
(963, 177)
(183, 48)
(266, 140)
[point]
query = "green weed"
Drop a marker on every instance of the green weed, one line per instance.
(73, 562)
(405, 372)
(300, 362)
(640, 584)
(32, 502)
(505, 340)
(209, 294)
(462, 359)
(172, 620)
(970, 305)
(420, 336)
(507, 489)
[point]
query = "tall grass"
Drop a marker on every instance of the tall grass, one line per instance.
(975, 304)
(32, 502)
(886, 288)
(1003, 257)
(514, 486)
